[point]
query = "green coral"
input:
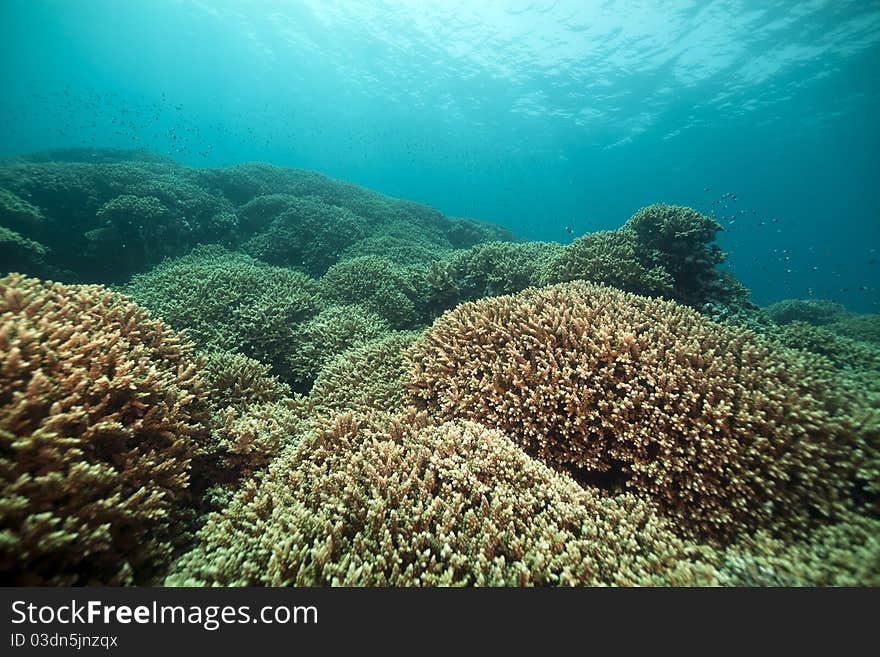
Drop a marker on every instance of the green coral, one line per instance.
(464, 233)
(679, 240)
(375, 283)
(232, 379)
(609, 258)
(103, 221)
(485, 270)
(403, 251)
(329, 333)
(845, 553)
(309, 235)
(229, 301)
(18, 214)
(816, 312)
(18, 253)
(858, 327)
(662, 250)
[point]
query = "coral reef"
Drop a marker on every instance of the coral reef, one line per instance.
(266, 407)
(680, 241)
(858, 327)
(725, 430)
(464, 233)
(100, 415)
(608, 257)
(232, 379)
(662, 250)
(405, 503)
(844, 353)
(244, 441)
(485, 270)
(20, 253)
(100, 222)
(846, 553)
(400, 250)
(101, 216)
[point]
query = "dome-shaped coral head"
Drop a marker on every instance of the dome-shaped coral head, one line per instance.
(99, 417)
(724, 430)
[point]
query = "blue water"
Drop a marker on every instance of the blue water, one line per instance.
(537, 115)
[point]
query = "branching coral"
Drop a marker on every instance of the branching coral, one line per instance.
(680, 241)
(816, 312)
(244, 441)
(464, 233)
(485, 270)
(329, 333)
(852, 356)
(609, 258)
(846, 553)
(662, 250)
(399, 250)
(725, 430)
(858, 327)
(104, 221)
(17, 214)
(231, 379)
(229, 301)
(366, 378)
(404, 503)
(99, 418)
(18, 253)
(375, 283)
(309, 235)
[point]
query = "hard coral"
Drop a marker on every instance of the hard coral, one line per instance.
(402, 502)
(329, 333)
(608, 257)
(679, 240)
(308, 234)
(99, 418)
(488, 269)
(232, 379)
(229, 301)
(377, 285)
(726, 431)
(365, 378)
(816, 312)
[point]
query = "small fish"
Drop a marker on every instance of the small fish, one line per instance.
(569, 230)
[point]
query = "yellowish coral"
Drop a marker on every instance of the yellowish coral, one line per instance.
(366, 378)
(726, 431)
(405, 503)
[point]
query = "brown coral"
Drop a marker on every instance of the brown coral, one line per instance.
(405, 503)
(99, 417)
(725, 430)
